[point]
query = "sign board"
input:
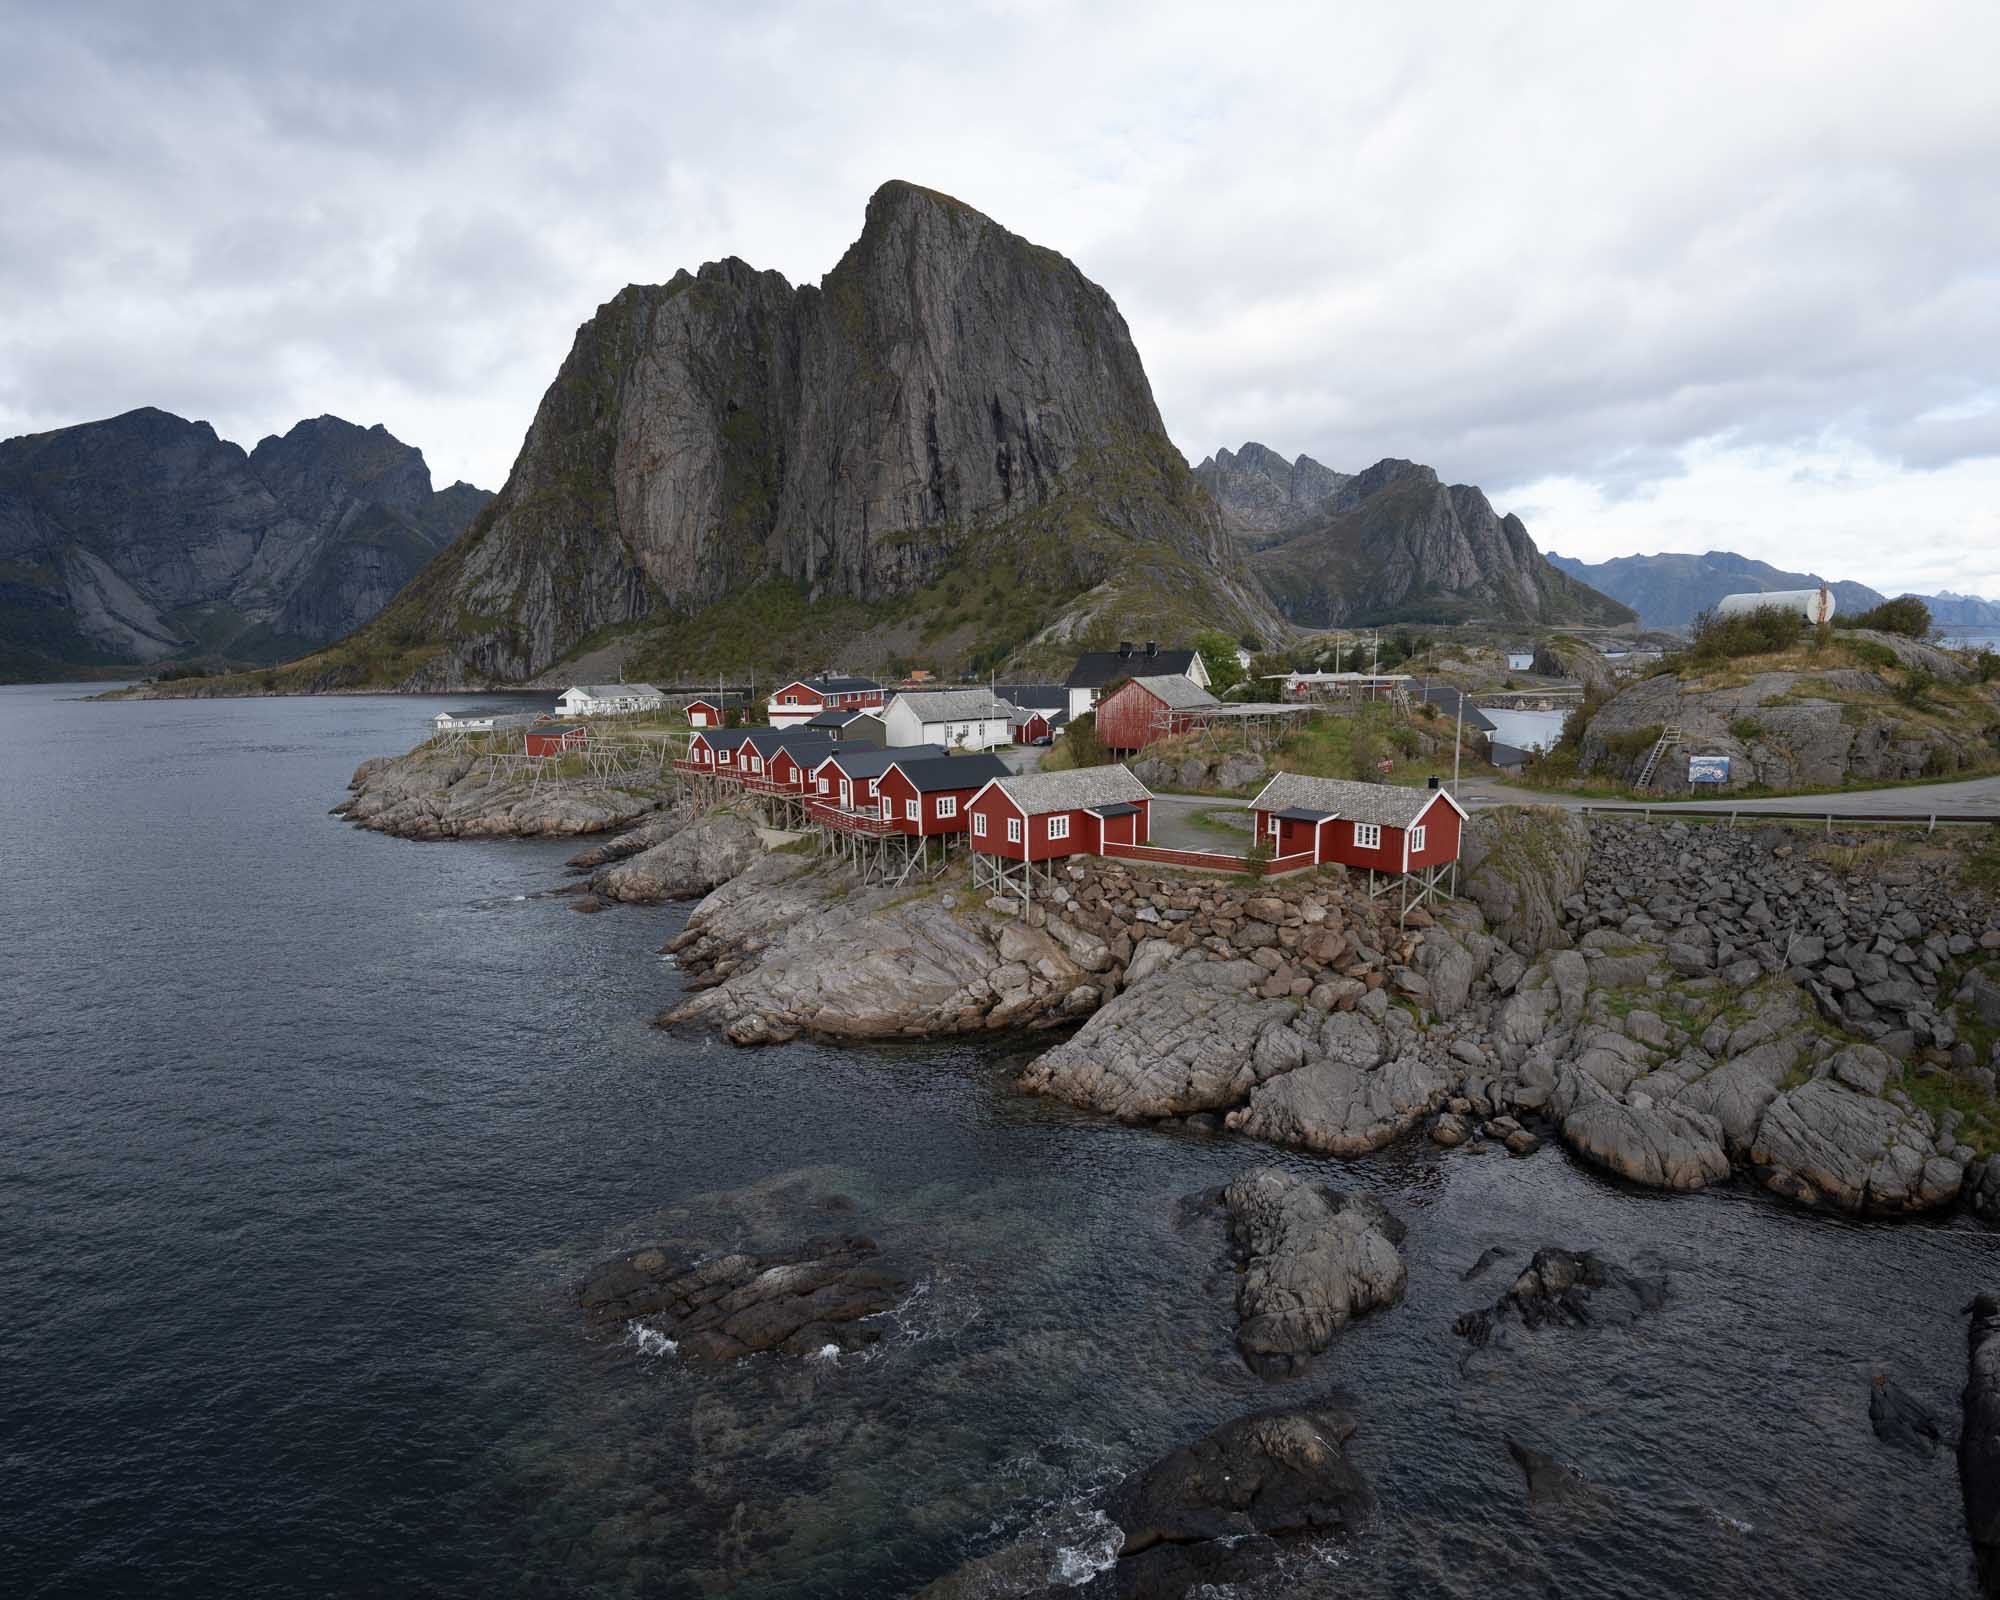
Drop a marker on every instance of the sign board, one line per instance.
(1708, 769)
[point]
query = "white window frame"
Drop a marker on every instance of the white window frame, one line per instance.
(910, 813)
(789, 700)
(1368, 836)
(1416, 841)
(947, 806)
(888, 809)
(1013, 830)
(756, 762)
(725, 756)
(826, 786)
(1059, 826)
(1274, 827)
(978, 824)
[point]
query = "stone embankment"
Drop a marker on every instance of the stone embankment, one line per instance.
(433, 793)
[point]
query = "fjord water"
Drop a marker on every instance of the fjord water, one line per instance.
(305, 1134)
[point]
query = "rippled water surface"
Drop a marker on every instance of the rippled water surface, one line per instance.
(305, 1134)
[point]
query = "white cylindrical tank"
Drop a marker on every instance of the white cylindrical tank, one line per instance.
(1815, 605)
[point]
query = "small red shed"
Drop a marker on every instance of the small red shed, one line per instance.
(554, 741)
(928, 795)
(1370, 825)
(705, 714)
(1142, 710)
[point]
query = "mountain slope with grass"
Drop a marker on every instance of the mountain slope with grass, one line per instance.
(145, 540)
(947, 448)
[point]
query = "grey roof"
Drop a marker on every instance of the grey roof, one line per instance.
(865, 761)
(953, 705)
(934, 773)
(830, 685)
(1079, 788)
(1344, 798)
(833, 719)
(1505, 755)
(614, 691)
(799, 740)
(1095, 668)
(1446, 699)
(727, 738)
(1035, 696)
(1177, 693)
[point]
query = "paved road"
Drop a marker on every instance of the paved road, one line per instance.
(1978, 797)
(1174, 827)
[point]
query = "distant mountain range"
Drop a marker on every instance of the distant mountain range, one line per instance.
(1391, 544)
(146, 538)
(1670, 591)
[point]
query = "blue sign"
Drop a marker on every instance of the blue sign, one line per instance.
(1708, 769)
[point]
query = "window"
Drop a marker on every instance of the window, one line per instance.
(756, 764)
(888, 809)
(978, 824)
(947, 806)
(909, 811)
(826, 786)
(1059, 827)
(726, 757)
(1416, 841)
(1013, 830)
(789, 700)
(1274, 826)
(1368, 836)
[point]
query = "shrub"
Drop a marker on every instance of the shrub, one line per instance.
(1915, 689)
(1762, 632)
(1081, 743)
(1364, 750)
(1871, 654)
(1745, 729)
(1906, 615)
(1986, 664)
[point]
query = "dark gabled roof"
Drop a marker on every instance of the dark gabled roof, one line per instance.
(828, 685)
(1505, 755)
(865, 761)
(727, 738)
(834, 719)
(1303, 814)
(1446, 699)
(934, 773)
(1125, 809)
(768, 741)
(1034, 696)
(574, 727)
(1095, 668)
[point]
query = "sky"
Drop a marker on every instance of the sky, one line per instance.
(1655, 277)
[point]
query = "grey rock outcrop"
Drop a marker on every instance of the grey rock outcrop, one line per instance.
(1827, 1145)
(696, 858)
(1339, 1106)
(1979, 1439)
(1518, 864)
(114, 532)
(1311, 1260)
(444, 794)
(948, 388)
(1566, 1288)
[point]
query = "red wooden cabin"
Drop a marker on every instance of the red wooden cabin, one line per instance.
(714, 749)
(847, 776)
(705, 714)
(929, 794)
(1042, 816)
(805, 698)
(553, 741)
(1366, 825)
(1142, 710)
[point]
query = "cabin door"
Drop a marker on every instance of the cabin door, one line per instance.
(846, 793)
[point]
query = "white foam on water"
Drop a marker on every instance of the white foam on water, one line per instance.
(650, 1341)
(1733, 1524)
(826, 1352)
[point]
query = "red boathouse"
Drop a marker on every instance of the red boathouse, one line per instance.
(1142, 710)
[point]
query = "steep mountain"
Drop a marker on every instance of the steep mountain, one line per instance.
(1262, 495)
(1962, 610)
(1393, 544)
(950, 437)
(1670, 591)
(145, 537)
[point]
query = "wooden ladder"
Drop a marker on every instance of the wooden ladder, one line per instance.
(1670, 736)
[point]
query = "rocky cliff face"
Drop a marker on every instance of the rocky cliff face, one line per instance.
(1263, 496)
(1393, 544)
(146, 537)
(949, 398)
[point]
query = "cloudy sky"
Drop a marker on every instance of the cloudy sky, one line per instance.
(1657, 277)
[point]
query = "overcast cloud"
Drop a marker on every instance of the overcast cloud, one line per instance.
(1657, 277)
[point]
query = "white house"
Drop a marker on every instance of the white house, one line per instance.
(463, 722)
(607, 699)
(958, 719)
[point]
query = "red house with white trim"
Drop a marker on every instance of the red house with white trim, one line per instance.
(1368, 825)
(805, 698)
(1034, 817)
(707, 714)
(714, 749)
(846, 777)
(930, 795)
(1142, 710)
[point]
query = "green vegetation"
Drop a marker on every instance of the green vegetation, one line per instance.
(1908, 616)
(1218, 655)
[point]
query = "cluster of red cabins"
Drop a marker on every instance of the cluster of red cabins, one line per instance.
(922, 792)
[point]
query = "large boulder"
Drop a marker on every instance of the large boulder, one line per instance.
(1519, 864)
(1824, 1144)
(1979, 1442)
(1311, 1260)
(690, 861)
(1192, 1037)
(1661, 1144)
(1340, 1107)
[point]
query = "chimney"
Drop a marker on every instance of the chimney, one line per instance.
(1124, 649)
(1152, 647)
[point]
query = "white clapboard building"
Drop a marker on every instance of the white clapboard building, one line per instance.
(958, 719)
(608, 699)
